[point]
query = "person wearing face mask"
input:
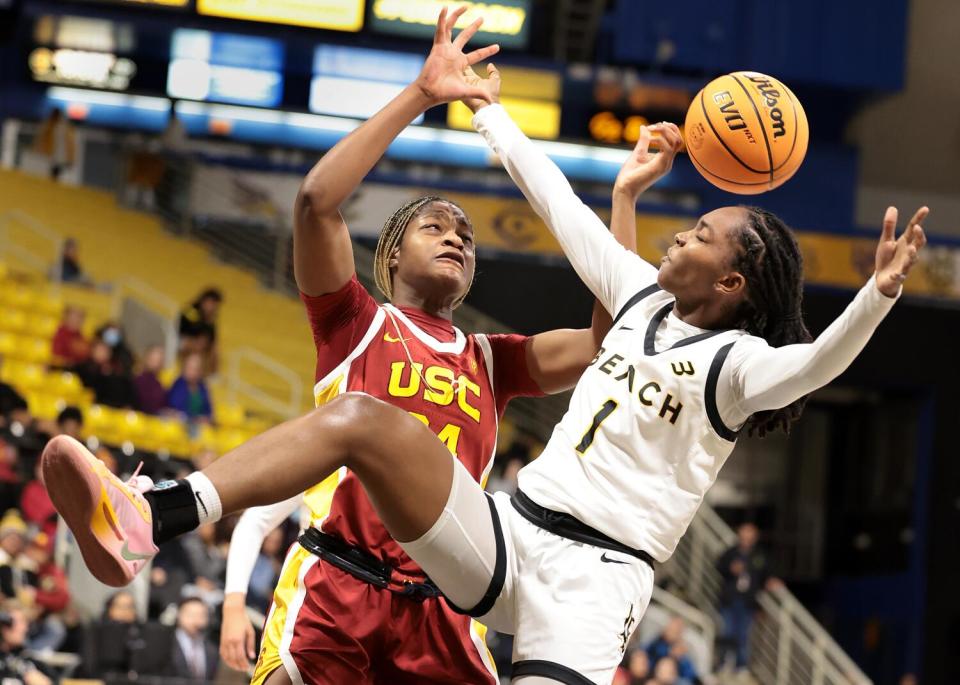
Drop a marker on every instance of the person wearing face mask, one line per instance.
(120, 354)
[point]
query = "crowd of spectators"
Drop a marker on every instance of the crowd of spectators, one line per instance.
(170, 630)
(105, 363)
(172, 634)
(664, 661)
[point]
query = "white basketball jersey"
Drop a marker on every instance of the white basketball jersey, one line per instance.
(642, 440)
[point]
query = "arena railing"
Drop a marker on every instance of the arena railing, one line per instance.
(30, 244)
(788, 645)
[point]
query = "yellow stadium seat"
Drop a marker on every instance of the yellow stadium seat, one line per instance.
(168, 376)
(229, 415)
(50, 305)
(4, 271)
(43, 325)
(130, 426)
(8, 344)
(35, 350)
(228, 439)
(23, 375)
(19, 296)
(169, 435)
(101, 422)
(12, 320)
(68, 386)
(205, 438)
(44, 406)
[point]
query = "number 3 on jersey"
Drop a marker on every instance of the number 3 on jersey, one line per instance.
(598, 418)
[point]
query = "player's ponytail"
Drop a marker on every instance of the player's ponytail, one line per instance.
(771, 261)
(390, 237)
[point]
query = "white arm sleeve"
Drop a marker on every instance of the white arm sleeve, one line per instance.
(252, 528)
(612, 272)
(762, 378)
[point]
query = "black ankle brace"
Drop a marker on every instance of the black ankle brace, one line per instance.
(174, 510)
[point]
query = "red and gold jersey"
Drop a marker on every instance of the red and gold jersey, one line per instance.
(458, 385)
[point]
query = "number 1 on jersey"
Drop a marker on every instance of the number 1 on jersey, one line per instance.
(598, 418)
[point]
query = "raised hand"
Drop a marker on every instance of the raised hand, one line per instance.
(444, 77)
(644, 167)
(896, 256)
(491, 85)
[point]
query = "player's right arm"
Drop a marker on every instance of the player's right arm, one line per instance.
(236, 634)
(637, 174)
(322, 253)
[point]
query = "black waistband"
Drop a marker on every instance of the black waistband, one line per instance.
(567, 526)
(363, 565)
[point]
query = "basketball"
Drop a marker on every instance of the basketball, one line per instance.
(746, 132)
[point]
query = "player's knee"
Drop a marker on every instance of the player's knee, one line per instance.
(353, 420)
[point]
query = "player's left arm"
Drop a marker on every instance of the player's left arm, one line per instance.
(765, 378)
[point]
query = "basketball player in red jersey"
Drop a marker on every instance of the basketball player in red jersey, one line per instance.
(350, 605)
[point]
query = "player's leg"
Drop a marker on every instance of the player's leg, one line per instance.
(407, 473)
(577, 607)
(278, 677)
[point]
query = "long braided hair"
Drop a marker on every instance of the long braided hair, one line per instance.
(770, 260)
(392, 234)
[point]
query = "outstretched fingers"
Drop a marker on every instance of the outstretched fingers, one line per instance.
(451, 22)
(438, 32)
(889, 231)
(481, 54)
(642, 147)
(464, 36)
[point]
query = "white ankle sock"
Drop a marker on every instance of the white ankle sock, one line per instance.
(209, 509)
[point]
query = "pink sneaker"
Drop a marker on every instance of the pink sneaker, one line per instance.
(110, 519)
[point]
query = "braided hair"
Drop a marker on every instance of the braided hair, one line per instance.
(392, 234)
(772, 264)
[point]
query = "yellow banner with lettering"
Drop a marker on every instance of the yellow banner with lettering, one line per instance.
(831, 260)
(338, 15)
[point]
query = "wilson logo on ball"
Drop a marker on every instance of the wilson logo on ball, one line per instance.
(746, 132)
(771, 98)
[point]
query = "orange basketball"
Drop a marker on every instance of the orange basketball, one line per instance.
(746, 132)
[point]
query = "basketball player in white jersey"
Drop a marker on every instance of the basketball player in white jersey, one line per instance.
(709, 344)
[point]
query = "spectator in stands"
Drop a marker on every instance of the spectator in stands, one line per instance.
(14, 666)
(671, 644)
(198, 327)
(69, 346)
(50, 594)
(665, 672)
(193, 656)
(208, 562)
(110, 386)
(120, 354)
(119, 643)
(635, 669)
(12, 403)
(9, 476)
(745, 569)
(70, 269)
(13, 539)
(506, 481)
(266, 570)
(56, 141)
(70, 422)
(188, 394)
(151, 395)
(36, 505)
